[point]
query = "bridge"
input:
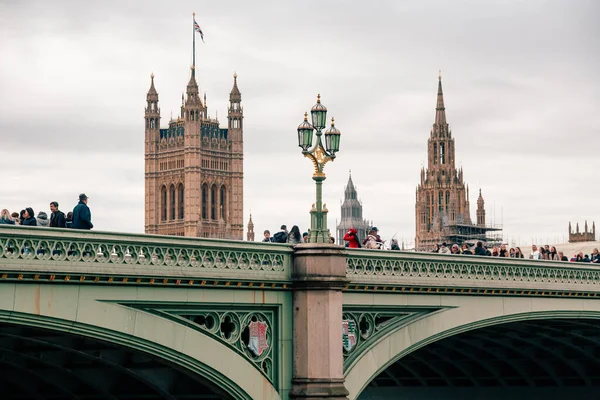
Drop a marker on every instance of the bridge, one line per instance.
(97, 315)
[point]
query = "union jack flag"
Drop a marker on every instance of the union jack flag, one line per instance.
(197, 29)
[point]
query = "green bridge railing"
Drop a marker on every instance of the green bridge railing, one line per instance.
(146, 258)
(103, 253)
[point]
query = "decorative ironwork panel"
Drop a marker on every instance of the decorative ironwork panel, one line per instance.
(235, 327)
(371, 325)
(31, 246)
(390, 268)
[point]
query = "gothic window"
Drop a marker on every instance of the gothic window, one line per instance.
(213, 202)
(441, 201)
(163, 205)
(204, 201)
(153, 106)
(442, 154)
(152, 123)
(181, 204)
(447, 199)
(222, 202)
(172, 198)
(434, 153)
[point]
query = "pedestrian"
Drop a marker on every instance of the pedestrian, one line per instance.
(294, 236)
(535, 253)
(562, 257)
(267, 238)
(352, 238)
(518, 253)
(42, 220)
(69, 220)
(495, 251)
(394, 245)
(16, 218)
(82, 216)
(436, 248)
(6, 218)
(444, 249)
(503, 251)
(455, 249)
(553, 255)
(466, 250)
(281, 236)
(57, 218)
(331, 240)
(371, 241)
(595, 258)
(479, 250)
(28, 217)
(305, 237)
(512, 252)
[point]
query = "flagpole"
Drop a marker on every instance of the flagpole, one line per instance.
(193, 45)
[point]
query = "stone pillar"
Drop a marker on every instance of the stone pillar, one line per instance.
(319, 276)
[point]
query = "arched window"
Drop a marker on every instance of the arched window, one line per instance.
(163, 203)
(204, 201)
(447, 199)
(441, 201)
(442, 154)
(172, 203)
(435, 154)
(181, 203)
(213, 202)
(152, 123)
(222, 203)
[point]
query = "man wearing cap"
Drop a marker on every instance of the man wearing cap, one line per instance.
(375, 234)
(82, 217)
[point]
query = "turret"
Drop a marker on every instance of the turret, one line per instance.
(480, 210)
(250, 234)
(152, 114)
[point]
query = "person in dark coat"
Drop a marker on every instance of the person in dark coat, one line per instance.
(28, 218)
(82, 217)
(69, 219)
(57, 218)
(479, 250)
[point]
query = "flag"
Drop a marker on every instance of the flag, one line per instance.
(197, 29)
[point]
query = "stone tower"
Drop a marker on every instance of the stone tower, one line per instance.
(194, 168)
(442, 199)
(250, 234)
(352, 214)
(480, 210)
(585, 236)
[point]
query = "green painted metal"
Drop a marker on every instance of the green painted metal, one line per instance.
(407, 269)
(135, 254)
(375, 323)
(227, 324)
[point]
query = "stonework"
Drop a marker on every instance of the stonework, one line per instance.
(442, 197)
(352, 214)
(194, 168)
(585, 236)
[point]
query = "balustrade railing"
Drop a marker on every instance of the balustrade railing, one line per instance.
(103, 252)
(370, 267)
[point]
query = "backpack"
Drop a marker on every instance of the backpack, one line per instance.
(280, 237)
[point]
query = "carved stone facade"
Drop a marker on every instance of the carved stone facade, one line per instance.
(194, 168)
(352, 214)
(442, 198)
(584, 236)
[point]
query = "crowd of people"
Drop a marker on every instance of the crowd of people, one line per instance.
(292, 236)
(546, 252)
(79, 218)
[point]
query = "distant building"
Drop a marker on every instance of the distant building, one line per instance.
(442, 198)
(585, 236)
(352, 214)
(194, 168)
(250, 234)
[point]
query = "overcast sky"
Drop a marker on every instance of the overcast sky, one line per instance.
(521, 83)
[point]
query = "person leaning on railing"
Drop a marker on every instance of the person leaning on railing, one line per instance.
(6, 218)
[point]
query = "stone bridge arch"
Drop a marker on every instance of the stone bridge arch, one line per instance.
(96, 313)
(456, 315)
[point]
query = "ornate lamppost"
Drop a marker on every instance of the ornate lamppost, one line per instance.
(319, 155)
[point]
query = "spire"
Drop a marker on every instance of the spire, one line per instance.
(440, 110)
(350, 192)
(250, 234)
(585, 227)
(570, 230)
(152, 93)
(235, 94)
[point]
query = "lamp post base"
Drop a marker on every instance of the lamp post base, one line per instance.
(318, 232)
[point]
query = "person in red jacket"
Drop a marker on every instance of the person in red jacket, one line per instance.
(352, 239)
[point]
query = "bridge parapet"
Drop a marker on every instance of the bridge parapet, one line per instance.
(428, 272)
(143, 258)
